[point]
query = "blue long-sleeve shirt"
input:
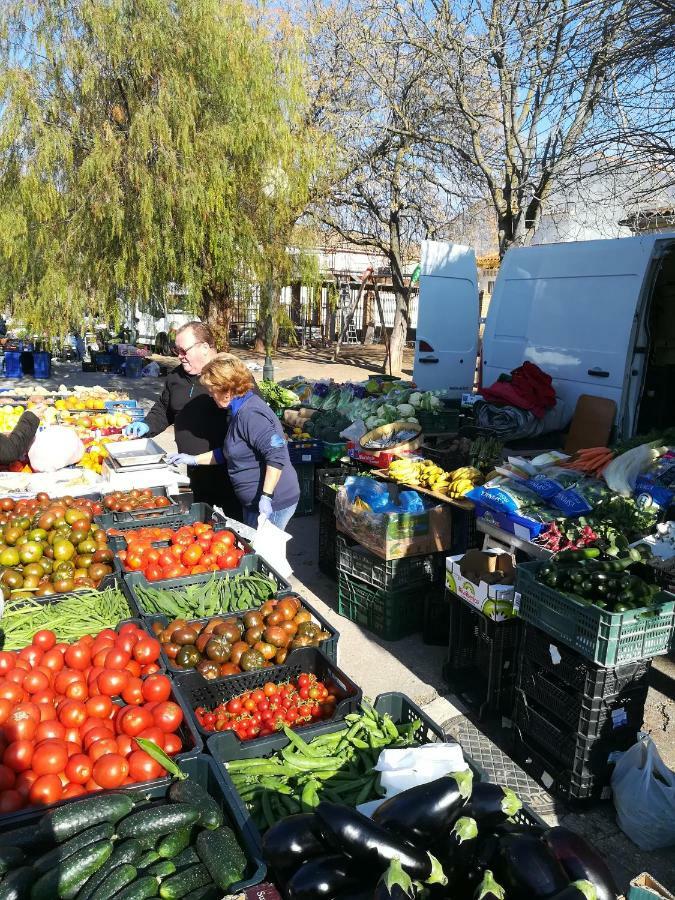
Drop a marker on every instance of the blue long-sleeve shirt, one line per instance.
(253, 441)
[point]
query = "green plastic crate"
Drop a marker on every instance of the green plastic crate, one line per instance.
(335, 450)
(306, 479)
(390, 614)
(607, 639)
(442, 421)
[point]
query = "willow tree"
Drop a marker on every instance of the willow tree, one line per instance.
(135, 140)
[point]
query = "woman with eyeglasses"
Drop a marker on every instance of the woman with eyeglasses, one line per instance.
(199, 425)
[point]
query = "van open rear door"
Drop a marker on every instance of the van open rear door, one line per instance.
(447, 320)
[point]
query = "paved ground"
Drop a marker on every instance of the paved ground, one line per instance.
(409, 665)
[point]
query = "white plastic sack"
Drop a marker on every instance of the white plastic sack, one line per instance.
(55, 448)
(401, 769)
(644, 797)
(270, 542)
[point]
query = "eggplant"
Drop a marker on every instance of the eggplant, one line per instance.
(578, 890)
(324, 876)
(460, 847)
(423, 812)
(581, 861)
(527, 868)
(395, 884)
(467, 877)
(291, 842)
(491, 804)
(488, 889)
(372, 846)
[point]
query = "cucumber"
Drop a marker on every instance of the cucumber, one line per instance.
(220, 852)
(175, 843)
(162, 869)
(188, 791)
(11, 858)
(120, 878)
(26, 838)
(66, 879)
(179, 885)
(152, 856)
(61, 852)
(158, 820)
(69, 820)
(127, 853)
(208, 892)
(17, 884)
(186, 859)
(140, 889)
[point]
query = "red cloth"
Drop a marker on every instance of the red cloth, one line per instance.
(530, 388)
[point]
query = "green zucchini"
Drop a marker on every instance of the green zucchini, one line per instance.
(61, 852)
(186, 859)
(140, 889)
(127, 853)
(16, 885)
(162, 869)
(179, 885)
(11, 858)
(188, 791)
(69, 820)
(208, 892)
(70, 876)
(120, 878)
(27, 838)
(158, 820)
(152, 856)
(175, 843)
(222, 855)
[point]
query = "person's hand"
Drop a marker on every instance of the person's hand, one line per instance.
(264, 508)
(181, 459)
(135, 429)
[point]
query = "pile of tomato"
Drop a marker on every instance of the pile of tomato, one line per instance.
(70, 713)
(128, 501)
(192, 549)
(268, 709)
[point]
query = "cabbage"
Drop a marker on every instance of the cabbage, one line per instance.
(406, 410)
(415, 398)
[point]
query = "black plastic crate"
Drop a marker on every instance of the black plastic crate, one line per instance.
(585, 714)
(326, 478)
(189, 514)
(568, 666)
(204, 771)
(389, 575)
(582, 755)
(305, 472)
(436, 623)
(307, 451)
(149, 516)
(482, 658)
(390, 614)
(327, 541)
(464, 534)
(226, 745)
(569, 785)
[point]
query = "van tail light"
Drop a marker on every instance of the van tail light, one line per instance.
(425, 347)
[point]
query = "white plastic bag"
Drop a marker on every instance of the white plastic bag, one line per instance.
(270, 542)
(644, 797)
(55, 448)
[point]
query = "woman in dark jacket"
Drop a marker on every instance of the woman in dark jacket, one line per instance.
(254, 449)
(15, 445)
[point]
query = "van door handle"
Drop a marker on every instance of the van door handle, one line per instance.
(598, 373)
(429, 359)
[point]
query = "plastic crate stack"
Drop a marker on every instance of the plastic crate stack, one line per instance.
(388, 597)
(305, 455)
(327, 480)
(572, 717)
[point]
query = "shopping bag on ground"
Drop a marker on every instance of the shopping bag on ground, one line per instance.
(644, 797)
(270, 542)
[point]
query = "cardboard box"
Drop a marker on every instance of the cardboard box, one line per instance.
(395, 535)
(644, 887)
(477, 576)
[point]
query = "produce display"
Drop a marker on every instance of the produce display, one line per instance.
(270, 708)
(423, 473)
(592, 461)
(51, 546)
(70, 713)
(326, 425)
(386, 441)
(486, 453)
(119, 846)
(277, 396)
(337, 766)
(193, 549)
(261, 638)
(218, 595)
(128, 501)
(462, 842)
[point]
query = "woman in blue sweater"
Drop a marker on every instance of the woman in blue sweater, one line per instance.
(254, 451)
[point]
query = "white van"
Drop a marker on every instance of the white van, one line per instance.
(598, 316)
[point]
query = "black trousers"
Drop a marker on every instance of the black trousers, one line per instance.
(211, 484)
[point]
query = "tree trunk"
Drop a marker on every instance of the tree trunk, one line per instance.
(217, 313)
(393, 363)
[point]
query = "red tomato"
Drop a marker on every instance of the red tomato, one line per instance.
(99, 707)
(96, 734)
(135, 720)
(18, 755)
(20, 726)
(47, 711)
(32, 655)
(134, 668)
(53, 660)
(142, 767)
(50, 757)
(168, 716)
(10, 801)
(72, 713)
(7, 778)
(130, 628)
(156, 688)
(110, 770)
(166, 559)
(117, 658)
(153, 572)
(154, 734)
(72, 736)
(7, 661)
(66, 677)
(78, 656)
(50, 731)
(77, 690)
(5, 709)
(44, 639)
(24, 782)
(112, 682)
(126, 641)
(172, 744)
(17, 675)
(102, 748)
(73, 790)
(226, 538)
(133, 692)
(228, 560)
(146, 650)
(46, 789)
(125, 744)
(134, 561)
(79, 768)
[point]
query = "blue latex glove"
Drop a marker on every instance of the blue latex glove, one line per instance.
(135, 430)
(264, 508)
(181, 459)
